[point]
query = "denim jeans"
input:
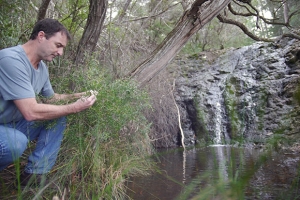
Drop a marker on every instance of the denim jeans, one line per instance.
(15, 136)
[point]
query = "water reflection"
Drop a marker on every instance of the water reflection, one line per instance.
(205, 167)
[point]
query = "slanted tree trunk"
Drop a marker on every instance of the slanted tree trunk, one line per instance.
(43, 9)
(124, 10)
(92, 30)
(201, 12)
(285, 11)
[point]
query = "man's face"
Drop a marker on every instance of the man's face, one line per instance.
(51, 47)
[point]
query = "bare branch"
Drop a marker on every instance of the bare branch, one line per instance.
(152, 16)
(292, 14)
(265, 20)
(248, 32)
(291, 35)
(243, 28)
(257, 13)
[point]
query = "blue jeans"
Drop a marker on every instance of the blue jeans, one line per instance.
(15, 136)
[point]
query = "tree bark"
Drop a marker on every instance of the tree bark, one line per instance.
(200, 13)
(92, 30)
(124, 10)
(43, 9)
(285, 11)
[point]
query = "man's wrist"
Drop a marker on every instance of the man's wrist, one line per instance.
(72, 108)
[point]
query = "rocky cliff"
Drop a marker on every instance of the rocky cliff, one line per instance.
(246, 94)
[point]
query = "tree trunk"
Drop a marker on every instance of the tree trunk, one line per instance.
(93, 28)
(285, 11)
(124, 10)
(201, 12)
(43, 9)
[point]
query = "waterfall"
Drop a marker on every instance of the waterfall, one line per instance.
(218, 121)
(247, 93)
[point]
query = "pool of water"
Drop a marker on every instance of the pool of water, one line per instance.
(219, 172)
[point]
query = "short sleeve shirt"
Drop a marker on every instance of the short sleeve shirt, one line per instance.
(20, 80)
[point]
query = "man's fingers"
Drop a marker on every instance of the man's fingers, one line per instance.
(83, 99)
(92, 98)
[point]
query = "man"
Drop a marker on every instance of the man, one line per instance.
(23, 75)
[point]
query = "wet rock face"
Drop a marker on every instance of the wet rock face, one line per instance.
(246, 93)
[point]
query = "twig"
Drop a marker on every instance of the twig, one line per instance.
(179, 121)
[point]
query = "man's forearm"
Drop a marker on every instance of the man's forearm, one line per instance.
(45, 111)
(63, 97)
(31, 110)
(69, 96)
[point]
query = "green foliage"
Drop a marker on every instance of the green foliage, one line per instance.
(103, 145)
(263, 100)
(106, 143)
(231, 105)
(297, 96)
(215, 36)
(294, 6)
(158, 31)
(74, 20)
(200, 127)
(118, 103)
(14, 23)
(276, 141)
(191, 48)
(236, 119)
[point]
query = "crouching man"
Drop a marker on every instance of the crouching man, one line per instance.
(23, 75)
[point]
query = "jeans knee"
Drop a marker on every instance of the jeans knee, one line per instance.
(19, 146)
(12, 148)
(62, 120)
(57, 131)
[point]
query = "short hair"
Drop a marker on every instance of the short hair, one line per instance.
(50, 28)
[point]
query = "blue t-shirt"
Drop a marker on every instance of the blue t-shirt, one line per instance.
(20, 80)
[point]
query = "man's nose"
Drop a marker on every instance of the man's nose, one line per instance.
(60, 51)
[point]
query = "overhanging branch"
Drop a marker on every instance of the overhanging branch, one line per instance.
(243, 28)
(201, 12)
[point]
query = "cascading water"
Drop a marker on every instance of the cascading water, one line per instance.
(218, 113)
(215, 101)
(209, 86)
(245, 93)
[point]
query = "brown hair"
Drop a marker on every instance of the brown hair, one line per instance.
(50, 27)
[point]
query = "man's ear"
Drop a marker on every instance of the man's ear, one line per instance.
(41, 35)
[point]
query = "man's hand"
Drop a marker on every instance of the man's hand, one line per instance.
(83, 103)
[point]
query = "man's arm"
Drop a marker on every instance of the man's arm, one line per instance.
(63, 97)
(31, 110)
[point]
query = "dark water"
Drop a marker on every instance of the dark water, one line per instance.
(219, 172)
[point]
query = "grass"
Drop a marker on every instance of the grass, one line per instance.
(102, 146)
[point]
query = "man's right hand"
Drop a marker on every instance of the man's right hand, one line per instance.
(84, 103)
